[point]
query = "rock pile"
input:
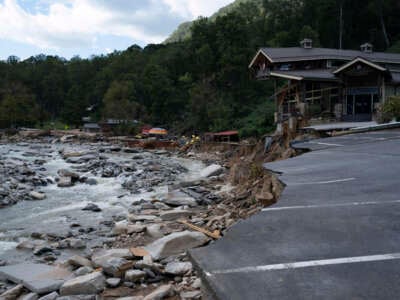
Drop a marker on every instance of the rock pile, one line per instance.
(20, 178)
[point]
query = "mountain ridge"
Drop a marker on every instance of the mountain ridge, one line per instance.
(183, 32)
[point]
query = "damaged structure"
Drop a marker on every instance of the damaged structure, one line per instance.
(320, 85)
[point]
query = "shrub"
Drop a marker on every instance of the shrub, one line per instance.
(391, 109)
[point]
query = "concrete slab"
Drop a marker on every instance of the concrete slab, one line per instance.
(38, 278)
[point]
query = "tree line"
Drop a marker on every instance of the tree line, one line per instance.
(195, 85)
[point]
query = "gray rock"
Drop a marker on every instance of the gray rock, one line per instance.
(78, 297)
(121, 227)
(38, 278)
(177, 198)
(41, 249)
(65, 182)
(161, 293)
(113, 282)
(131, 298)
(178, 268)
(51, 296)
(89, 284)
(68, 173)
(115, 266)
(196, 284)
(135, 218)
(92, 207)
(146, 262)
(79, 261)
(37, 196)
(134, 275)
(101, 256)
(175, 243)
(83, 271)
(91, 181)
(30, 296)
(66, 138)
(192, 295)
(76, 243)
(154, 230)
(130, 150)
(13, 293)
(135, 228)
(212, 170)
(175, 214)
(30, 245)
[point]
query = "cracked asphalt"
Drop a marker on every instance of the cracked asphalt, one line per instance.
(334, 233)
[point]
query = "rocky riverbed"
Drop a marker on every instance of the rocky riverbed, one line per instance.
(70, 205)
(101, 221)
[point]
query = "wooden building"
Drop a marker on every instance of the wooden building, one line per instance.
(328, 85)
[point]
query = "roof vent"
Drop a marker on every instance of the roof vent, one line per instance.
(367, 48)
(306, 43)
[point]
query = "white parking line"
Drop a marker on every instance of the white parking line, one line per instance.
(323, 182)
(331, 205)
(326, 144)
(310, 263)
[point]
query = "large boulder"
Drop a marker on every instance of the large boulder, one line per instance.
(212, 170)
(65, 182)
(175, 243)
(79, 261)
(102, 255)
(115, 266)
(92, 207)
(177, 198)
(38, 278)
(37, 195)
(89, 284)
(67, 173)
(161, 293)
(134, 275)
(178, 268)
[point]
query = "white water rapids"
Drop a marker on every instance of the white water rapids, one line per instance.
(63, 206)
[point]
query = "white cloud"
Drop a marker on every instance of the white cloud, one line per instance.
(78, 23)
(195, 8)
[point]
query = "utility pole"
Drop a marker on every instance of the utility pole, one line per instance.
(341, 26)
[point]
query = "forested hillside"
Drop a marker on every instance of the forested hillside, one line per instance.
(199, 84)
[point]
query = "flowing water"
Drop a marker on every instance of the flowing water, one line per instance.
(63, 206)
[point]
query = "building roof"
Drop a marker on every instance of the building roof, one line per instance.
(360, 60)
(226, 133)
(321, 74)
(91, 126)
(280, 55)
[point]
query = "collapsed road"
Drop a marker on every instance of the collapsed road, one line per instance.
(334, 234)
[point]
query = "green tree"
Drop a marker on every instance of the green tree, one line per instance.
(18, 107)
(119, 102)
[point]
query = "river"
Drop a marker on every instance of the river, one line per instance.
(62, 207)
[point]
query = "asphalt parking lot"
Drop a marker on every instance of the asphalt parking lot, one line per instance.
(334, 234)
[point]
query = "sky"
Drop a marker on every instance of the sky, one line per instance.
(91, 27)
